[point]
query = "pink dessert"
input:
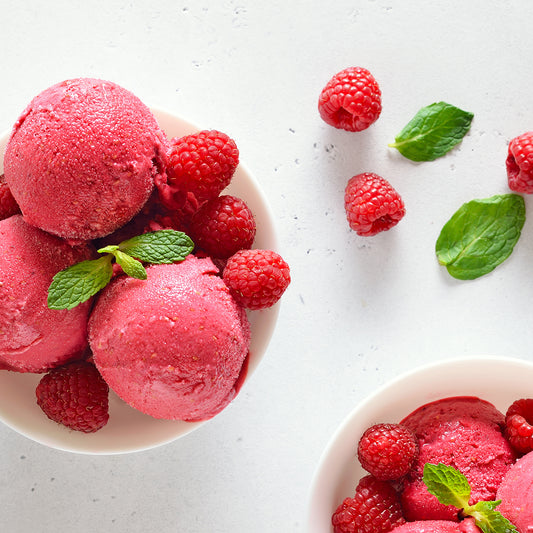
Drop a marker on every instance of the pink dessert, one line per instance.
(438, 526)
(34, 338)
(173, 346)
(462, 432)
(83, 158)
(516, 493)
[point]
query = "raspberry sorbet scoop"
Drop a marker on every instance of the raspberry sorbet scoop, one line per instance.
(83, 158)
(34, 338)
(173, 346)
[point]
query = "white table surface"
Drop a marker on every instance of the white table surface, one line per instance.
(359, 310)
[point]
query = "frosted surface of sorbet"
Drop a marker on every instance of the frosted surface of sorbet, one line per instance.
(173, 346)
(516, 493)
(438, 526)
(34, 338)
(83, 158)
(463, 432)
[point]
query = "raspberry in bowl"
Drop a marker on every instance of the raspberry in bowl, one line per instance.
(129, 429)
(490, 385)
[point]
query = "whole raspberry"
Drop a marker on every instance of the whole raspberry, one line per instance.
(372, 205)
(519, 425)
(76, 396)
(351, 100)
(375, 508)
(8, 205)
(223, 226)
(256, 278)
(202, 163)
(387, 451)
(519, 163)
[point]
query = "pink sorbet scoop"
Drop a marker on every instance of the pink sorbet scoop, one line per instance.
(83, 158)
(173, 346)
(34, 338)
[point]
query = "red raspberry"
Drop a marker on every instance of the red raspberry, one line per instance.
(8, 205)
(387, 451)
(76, 396)
(519, 425)
(375, 508)
(223, 226)
(351, 100)
(372, 204)
(202, 163)
(520, 163)
(256, 278)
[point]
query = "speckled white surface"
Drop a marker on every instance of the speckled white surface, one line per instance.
(358, 311)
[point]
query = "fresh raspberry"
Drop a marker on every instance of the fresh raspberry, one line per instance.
(351, 100)
(519, 425)
(387, 451)
(256, 278)
(223, 226)
(375, 508)
(372, 204)
(202, 163)
(76, 396)
(8, 205)
(519, 163)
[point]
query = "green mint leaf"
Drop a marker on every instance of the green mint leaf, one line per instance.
(131, 266)
(164, 246)
(433, 132)
(448, 484)
(481, 235)
(108, 249)
(489, 520)
(77, 283)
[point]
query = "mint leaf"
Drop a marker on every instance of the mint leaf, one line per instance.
(131, 266)
(164, 246)
(451, 487)
(433, 132)
(447, 484)
(481, 235)
(77, 283)
(489, 520)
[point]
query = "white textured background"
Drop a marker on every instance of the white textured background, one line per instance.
(358, 310)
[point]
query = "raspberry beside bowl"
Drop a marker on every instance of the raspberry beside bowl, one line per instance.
(129, 430)
(499, 380)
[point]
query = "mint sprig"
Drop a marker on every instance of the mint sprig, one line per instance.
(451, 487)
(79, 282)
(480, 235)
(432, 132)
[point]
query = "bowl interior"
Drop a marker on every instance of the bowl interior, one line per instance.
(129, 430)
(497, 380)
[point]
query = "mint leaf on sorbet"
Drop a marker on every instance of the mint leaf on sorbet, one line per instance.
(163, 246)
(433, 132)
(131, 266)
(447, 484)
(451, 487)
(481, 235)
(77, 283)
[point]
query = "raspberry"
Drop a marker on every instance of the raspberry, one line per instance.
(519, 425)
(223, 226)
(375, 508)
(76, 396)
(8, 205)
(372, 204)
(202, 163)
(387, 451)
(256, 278)
(351, 100)
(519, 163)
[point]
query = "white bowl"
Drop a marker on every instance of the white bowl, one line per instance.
(129, 430)
(498, 380)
